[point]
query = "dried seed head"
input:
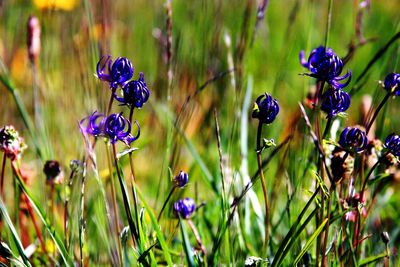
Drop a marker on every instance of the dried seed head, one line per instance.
(342, 165)
(53, 171)
(33, 39)
(11, 143)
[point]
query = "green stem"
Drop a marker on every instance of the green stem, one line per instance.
(165, 203)
(377, 111)
(264, 186)
(125, 199)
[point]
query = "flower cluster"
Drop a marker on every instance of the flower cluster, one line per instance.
(11, 143)
(392, 83)
(184, 207)
(134, 93)
(326, 66)
(265, 109)
(353, 203)
(353, 139)
(114, 127)
(335, 102)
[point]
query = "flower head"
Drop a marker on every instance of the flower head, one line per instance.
(392, 143)
(135, 93)
(355, 204)
(326, 66)
(265, 109)
(117, 73)
(11, 143)
(181, 179)
(115, 127)
(53, 172)
(334, 102)
(353, 139)
(392, 83)
(184, 207)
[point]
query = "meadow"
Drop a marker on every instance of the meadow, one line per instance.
(199, 133)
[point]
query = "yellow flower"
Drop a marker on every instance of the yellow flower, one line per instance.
(66, 5)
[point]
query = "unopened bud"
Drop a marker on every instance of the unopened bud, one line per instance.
(385, 237)
(33, 40)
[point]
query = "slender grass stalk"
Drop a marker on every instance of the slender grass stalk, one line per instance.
(264, 186)
(125, 199)
(165, 203)
(384, 100)
(81, 220)
(197, 236)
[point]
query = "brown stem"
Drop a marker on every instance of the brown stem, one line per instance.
(3, 167)
(197, 236)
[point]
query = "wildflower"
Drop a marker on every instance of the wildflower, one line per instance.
(115, 127)
(392, 83)
(342, 165)
(184, 207)
(353, 139)
(33, 40)
(11, 143)
(117, 73)
(265, 109)
(326, 66)
(334, 102)
(385, 237)
(181, 179)
(135, 93)
(392, 143)
(53, 172)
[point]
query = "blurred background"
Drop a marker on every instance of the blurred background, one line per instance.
(217, 58)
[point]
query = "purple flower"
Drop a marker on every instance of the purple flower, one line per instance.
(334, 102)
(11, 143)
(115, 127)
(353, 139)
(326, 66)
(184, 207)
(392, 143)
(135, 93)
(117, 73)
(181, 179)
(265, 109)
(392, 83)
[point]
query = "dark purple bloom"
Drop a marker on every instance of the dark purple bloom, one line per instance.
(334, 102)
(326, 66)
(353, 139)
(392, 83)
(181, 179)
(184, 207)
(53, 172)
(392, 143)
(265, 109)
(115, 127)
(135, 93)
(117, 73)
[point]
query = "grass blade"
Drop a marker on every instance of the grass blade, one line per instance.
(186, 243)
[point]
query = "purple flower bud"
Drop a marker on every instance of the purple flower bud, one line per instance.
(353, 139)
(135, 93)
(11, 143)
(392, 83)
(265, 109)
(181, 179)
(53, 172)
(334, 102)
(117, 73)
(184, 207)
(392, 143)
(326, 66)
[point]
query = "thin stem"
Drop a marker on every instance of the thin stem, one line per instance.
(328, 216)
(81, 220)
(126, 201)
(114, 203)
(3, 168)
(327, 128)
(370, 173)
(197, 236)
(110, 102)
(264, 186)
(165, 203)
(377, 111)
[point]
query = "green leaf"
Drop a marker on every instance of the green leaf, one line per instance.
(14, 233)
(156, 227)
(186, 244)
(371, 259)
(309, 242)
